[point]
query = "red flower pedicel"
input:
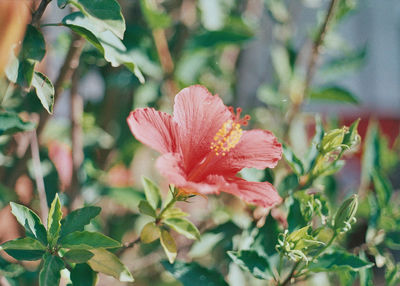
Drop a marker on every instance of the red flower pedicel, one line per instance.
(203, 146)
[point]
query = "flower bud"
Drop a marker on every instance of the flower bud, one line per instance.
(345, 215)
(332, 140)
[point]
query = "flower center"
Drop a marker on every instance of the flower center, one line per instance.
(228, 136)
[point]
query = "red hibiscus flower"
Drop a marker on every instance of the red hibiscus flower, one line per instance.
(203, 146)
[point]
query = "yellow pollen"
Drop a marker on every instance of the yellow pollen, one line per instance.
(226, 138)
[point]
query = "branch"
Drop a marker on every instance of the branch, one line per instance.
(128, 245)
(44, 209)
(37, 15)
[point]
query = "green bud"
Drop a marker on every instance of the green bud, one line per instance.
(352, 138)
(332, 140)
(345, 216)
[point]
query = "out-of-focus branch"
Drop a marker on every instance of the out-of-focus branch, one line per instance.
(312, 63)
(44, 209)
(37, 15)
(76, 103)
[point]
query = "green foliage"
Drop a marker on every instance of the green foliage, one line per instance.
(338, 261)
(334, 94)
(251, 261)
(11, 123)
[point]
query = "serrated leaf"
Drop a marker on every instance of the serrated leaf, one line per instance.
(76, 220)
(149, 233)
(339, 261)
(184, 227)
(44, 90)
(54, 221)
(335, 94)
(106, 14)
(26, 243)
(152, 193)
(83, 275)
(193, 274)
(168, 244)
(11, 123)
(174, 213)
(147, 209)
(78, 255)
(87, 240)
(251, 261)
(30, 221)
(293, 161)
(105, 262)
(50, 272)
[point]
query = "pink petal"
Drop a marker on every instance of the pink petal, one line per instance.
(155, 129)
(199, 115)
(256, 149)
(259, 193)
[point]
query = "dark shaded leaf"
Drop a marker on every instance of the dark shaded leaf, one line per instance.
(76, 220)
(251, 261)
(87, 240)
(83, 275)
(339, 261)
(50, 272)
(11, 123)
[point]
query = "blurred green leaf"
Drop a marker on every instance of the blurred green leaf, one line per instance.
(334, 94)
(62, 3)
(339, 261)
(76, 220)
(50, 272)
(293, 161)
(168, 244)
(127, 197)
(174, 213)
(30, 221)
(371, 153)
(77, 255)
(26, 243)
(11, 123)
(44, 90)
(33, 45)
(383, 188)
(214, 39)
(277, 9)
(288, 185)
(11, 270)
(83, 275)
(184, 272)
(155, 19)
(295, 218)
(87, 240)
(150, 233)
(54, 222)
(392, 240)
(105, 262)
(281, 63)
(152, 192)
(147, 209)
(251, 261)
(266, 238)
(184, 227)
(105, 14)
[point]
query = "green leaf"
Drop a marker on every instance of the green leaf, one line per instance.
(11, 123)
(147, 209)
(193, 274)
(154, 18)
(152, 193)
(293, 161)
(76, 220)
(26, 243)
(33, 46)
(106, 42)
(184, 227)
(339, 261)
(25, 72)
(295, 218)
(30, 221)
(214, 39)
(149, 233)
(392, 240)
(383, 188)
(105, 14)
(87, 240)
(335, 94)
(62, 3)
(267, 237)
(50, 272)
(288, 185)
(78, 255)
(10, 270)
(105, 262)
(168, 244)
(174, 213)
(83, 275)
(251, 261)
(54, 221)
(44, 90)
(351, 138)
(30, 255)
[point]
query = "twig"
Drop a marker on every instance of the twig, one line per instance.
(76, 103)
(289, 277)
(37, 15)
(128, 245)
(44, 209)
(312, 63)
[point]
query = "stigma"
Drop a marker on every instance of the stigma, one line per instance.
(228, 136)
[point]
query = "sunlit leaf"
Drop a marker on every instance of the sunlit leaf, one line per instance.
(87, 240)
(76, 220)
(168, 244)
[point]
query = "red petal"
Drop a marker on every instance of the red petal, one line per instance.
(154, 128)
(256, 149)
(258, 193)
(199, 115)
